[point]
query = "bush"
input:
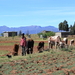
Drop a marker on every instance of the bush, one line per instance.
(45, 35)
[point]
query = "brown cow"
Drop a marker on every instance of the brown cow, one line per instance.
(40, 46)
(15, 50)
(30, 45)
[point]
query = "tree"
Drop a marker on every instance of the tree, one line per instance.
(64, 26)
(72, 29)
(60, 26)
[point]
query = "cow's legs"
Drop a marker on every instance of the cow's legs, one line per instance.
(27, 50)
(55, 45)
(31, 50)
(43, 47)
(49, 45)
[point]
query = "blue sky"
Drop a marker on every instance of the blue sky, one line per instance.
(16, 13)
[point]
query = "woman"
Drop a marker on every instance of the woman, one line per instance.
(23, 44)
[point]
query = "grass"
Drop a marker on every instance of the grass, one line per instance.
(58, 73)
(35, 37)
(2, 52)
(38, 63)
(29, 57)
(7, 44)
(55, 61)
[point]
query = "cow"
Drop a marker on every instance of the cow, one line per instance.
(71, 42)
(15, 50)
(30, 45)
(40, 46)
(65, 40)
(53, 40)
(61, 44)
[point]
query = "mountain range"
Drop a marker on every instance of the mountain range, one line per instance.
(31, 29)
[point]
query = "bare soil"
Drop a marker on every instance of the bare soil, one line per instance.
(10, 48)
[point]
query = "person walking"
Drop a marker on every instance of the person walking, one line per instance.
(23, 44)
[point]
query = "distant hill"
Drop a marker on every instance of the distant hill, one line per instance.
(31, 29)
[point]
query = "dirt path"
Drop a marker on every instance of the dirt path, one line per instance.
(10, 48)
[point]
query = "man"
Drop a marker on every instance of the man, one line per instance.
(23, 44)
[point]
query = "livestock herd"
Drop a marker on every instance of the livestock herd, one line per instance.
(59, 42)
(53, 42)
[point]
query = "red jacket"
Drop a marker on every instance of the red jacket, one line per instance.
(23, 42)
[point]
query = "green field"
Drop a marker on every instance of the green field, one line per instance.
(49, 62)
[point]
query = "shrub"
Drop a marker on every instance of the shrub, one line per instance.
(46, 34)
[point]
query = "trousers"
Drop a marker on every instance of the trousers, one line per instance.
(23, 50)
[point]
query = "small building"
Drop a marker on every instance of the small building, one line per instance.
(10, 34)
(62, 34)
(45, 31)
